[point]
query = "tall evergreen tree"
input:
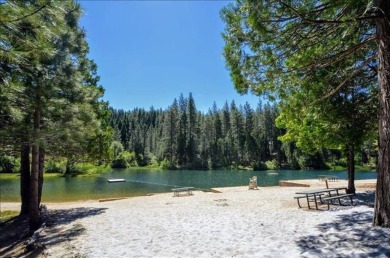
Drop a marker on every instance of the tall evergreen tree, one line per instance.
(192, 130)
(271, 45)
(183, 130)
(46, 59)
(171, 133)
(250, 149)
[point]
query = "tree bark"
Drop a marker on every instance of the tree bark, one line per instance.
(24, 176)
(34, 219)
(40, 174)
(351, 169)
(382, 198)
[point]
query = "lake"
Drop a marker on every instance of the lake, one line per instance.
(146, 181)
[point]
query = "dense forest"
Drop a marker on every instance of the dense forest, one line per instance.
(228, 137)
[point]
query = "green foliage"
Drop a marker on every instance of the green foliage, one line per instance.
(116, 149)
(71, 168)
(258, 165)
(8, 164)
(227, 137)
(90, 169)
(119, 162)
(319, 60)
(272, 164)
(55, 166)
(232, 136)
(130, 158)
(166, 164)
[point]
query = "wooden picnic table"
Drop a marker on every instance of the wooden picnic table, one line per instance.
(317, 193)
(177, 191)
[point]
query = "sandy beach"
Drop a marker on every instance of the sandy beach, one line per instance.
(236, 222)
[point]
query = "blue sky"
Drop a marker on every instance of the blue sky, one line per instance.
(148, 52)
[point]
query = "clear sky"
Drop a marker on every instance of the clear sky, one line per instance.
(148, 52)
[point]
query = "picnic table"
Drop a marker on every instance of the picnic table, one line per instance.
(314, 195)
(177, 191)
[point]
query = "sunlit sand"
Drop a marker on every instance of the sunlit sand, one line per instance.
(236, 222)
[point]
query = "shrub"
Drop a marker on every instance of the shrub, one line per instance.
(71, 168)
(166, 164)
(8, 164)
(119, 162)
(342, 162)
(272, 164)
(153, 160)
(53, 166)
(130, 158)
(258, 165)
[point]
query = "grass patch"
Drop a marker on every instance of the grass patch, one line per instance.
(337, 168)
(364, 168)
(7, 215)
(9, 175)
(357, 168)
(17, 175)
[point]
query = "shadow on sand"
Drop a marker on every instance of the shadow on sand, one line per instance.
(349, 235)
(59, 226)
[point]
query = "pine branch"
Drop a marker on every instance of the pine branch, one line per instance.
(321, 21)
(348, 78)
(28, 15)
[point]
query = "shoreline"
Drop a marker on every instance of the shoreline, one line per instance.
(363, 184)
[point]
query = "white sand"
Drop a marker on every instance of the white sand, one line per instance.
(235, 223)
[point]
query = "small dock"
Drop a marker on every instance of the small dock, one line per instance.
(116, 180)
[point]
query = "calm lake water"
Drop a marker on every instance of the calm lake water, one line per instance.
(142, 182)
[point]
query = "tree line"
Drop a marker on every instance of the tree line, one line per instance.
(228, 137)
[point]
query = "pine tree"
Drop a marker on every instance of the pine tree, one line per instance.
(54, 77)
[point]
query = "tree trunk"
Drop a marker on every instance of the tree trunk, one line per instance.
(34, 183)
(24, 176)
(351, 169)
(40, 174)
(382, 198)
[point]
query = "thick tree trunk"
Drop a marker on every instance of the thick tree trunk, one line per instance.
(24, 176)
(34, 183)
(382, 199)
(33, 207)
(40, 174)
(351, 169)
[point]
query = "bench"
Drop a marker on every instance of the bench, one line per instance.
(329, 199)
(177, 191)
